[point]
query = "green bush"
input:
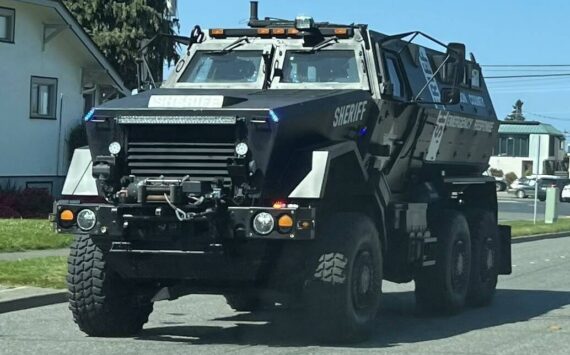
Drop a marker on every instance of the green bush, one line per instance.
(76, 138)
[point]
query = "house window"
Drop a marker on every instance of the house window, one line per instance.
(512, 146)
(43, 97)
(7, 17)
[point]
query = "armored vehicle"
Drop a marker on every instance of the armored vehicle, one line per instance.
(290, 164)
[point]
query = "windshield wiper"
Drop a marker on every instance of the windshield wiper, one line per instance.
(230, 47)
(324, 44)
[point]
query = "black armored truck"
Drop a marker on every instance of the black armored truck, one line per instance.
(291, 164)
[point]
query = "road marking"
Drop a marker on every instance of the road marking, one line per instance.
(532, 263)
(547, 260)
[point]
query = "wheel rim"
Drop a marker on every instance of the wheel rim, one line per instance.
(520, 194)
(362, 286)
(487, 259)
(460, 266)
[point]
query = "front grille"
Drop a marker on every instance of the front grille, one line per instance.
(201, 161)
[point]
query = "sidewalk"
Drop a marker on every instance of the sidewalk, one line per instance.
(32, 254)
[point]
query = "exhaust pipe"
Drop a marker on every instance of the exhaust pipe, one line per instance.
(253, 11)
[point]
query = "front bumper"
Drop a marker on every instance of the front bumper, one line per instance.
(133, 222)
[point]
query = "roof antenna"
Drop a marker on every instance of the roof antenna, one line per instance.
(253, 13)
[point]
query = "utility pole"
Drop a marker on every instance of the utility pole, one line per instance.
(536, 180)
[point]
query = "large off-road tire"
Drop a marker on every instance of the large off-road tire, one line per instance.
(442, 288)
(103, 304)
(344, 288)
(484, 257)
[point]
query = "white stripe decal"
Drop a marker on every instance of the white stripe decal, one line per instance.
(436, 97)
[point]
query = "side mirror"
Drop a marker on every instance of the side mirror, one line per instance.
(454, 72)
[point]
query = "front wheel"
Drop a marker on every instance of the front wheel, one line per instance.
(521, 194)
(103, 304)
(442, 287)
(343, 292)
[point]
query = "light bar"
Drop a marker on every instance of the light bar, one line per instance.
(176, 120)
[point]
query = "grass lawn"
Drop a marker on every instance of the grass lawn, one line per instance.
(43, 272)
(30, 234)
(522, 228)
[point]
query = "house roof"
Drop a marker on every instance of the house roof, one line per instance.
(82, 36)
(529, 127)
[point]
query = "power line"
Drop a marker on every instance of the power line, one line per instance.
(524, 65)
(526, 76)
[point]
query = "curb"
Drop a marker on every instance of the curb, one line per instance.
(535, 237)
(29, 297)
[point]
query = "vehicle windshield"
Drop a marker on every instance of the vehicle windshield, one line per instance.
(223, 67)
(325, 66)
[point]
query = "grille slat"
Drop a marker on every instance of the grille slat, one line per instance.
(201, 161)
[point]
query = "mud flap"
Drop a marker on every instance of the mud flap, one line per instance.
(505, 266)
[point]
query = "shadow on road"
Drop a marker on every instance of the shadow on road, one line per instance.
(398, 322)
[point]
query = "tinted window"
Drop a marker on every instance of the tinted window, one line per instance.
(395, 77)
(327, 66)
(232, 67)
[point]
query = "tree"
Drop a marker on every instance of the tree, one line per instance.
(118, 27)
(516, 114)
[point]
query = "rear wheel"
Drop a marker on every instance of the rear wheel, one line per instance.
(521, 194)
(343, 294)
(485, 257)
(103, 303)
(442, 288)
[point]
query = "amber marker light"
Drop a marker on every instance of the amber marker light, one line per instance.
(217, 32)
(341, 31)
(279, 204)
(66, 216)
(263, 31)
(285, 223)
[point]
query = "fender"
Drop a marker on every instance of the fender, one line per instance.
(338, 171)
(79, 180)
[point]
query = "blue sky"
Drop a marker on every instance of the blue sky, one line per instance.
(497, 32)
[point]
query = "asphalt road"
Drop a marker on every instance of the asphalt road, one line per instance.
(511, 208)
(531, 314)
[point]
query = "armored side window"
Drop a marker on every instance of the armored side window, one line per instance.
(395, 77)
(7, 22)
(43, 97)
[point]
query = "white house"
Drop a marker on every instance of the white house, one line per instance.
(522, 146)
(51, 74)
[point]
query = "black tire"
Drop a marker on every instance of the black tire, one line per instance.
(442, 288)
(246, 303)
(484, 257)
(103, 304)
(521, 194)
(343, 293)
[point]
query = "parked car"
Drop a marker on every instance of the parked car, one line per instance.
(565, 194)
(545, 183)
(525, 187)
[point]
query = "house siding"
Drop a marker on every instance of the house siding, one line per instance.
(35, 149)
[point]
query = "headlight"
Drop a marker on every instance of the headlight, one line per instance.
(263, 223)
(115, 148)
(241, 149)
(86, 220)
